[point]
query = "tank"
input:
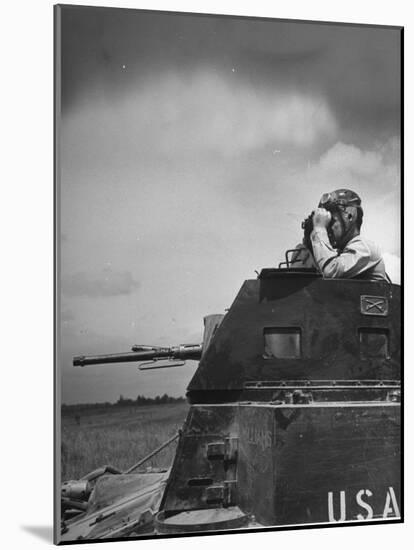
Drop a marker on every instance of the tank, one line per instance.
(294, 418)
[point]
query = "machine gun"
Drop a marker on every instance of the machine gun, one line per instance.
(149, 356)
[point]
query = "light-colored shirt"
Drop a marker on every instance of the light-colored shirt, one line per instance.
(360, 258)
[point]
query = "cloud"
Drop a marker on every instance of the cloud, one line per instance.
(374, 172)
(357, 68)
(172, 116)
(210, 112)
(347, 161)
(393, 267)
(106, 283)
(345, 157)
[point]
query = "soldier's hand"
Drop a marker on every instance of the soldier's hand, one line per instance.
(321, 218)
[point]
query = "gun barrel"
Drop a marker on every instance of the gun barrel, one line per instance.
(177, 352)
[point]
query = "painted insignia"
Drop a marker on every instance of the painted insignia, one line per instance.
(374, 305)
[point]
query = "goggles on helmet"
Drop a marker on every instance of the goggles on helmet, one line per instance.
(340, 199)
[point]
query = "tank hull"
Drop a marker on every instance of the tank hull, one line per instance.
(289, 464)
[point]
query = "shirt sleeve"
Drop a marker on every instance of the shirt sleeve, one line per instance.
(352, 261)
(302, 257)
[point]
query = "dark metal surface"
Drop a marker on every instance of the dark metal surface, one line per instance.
(322, 390)
(290, 464)
(328, 315)
(196, 466)
(294, 459)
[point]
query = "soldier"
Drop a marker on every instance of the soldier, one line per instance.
(338, 249)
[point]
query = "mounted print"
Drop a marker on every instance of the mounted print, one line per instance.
(228, 281)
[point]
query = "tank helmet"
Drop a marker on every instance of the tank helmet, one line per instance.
(347, 204)
(340, 197)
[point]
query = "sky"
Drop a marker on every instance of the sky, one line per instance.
(191, 148)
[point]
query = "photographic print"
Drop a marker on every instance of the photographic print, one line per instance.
(228, 274)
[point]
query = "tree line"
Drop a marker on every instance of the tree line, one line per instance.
(140, 401)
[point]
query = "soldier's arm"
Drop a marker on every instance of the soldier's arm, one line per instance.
(351, 262)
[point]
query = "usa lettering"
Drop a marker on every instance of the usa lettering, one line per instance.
(340, 504)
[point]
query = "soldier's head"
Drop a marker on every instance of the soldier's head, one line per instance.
(345, 208)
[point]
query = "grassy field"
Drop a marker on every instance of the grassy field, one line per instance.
(119, 436)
